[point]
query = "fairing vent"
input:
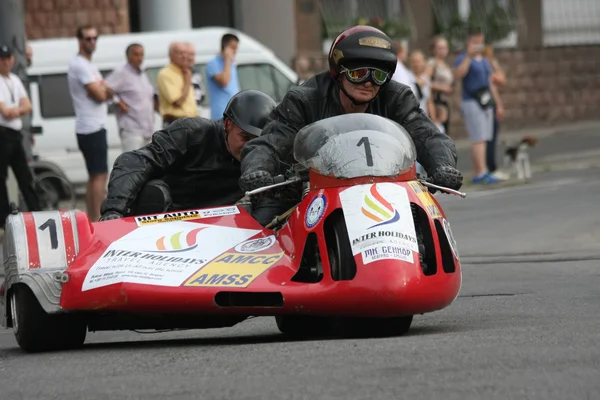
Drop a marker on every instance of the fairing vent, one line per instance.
(311, 266)
(447, 256)
(425, 240)
(249, 299)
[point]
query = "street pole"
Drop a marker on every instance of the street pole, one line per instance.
(12, 32)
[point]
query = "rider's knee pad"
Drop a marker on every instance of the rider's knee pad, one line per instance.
(155, 197)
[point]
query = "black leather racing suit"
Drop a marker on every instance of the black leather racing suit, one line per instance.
(190, 156)
(318, 98)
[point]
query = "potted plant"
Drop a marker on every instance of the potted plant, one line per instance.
(393, 27)
(495, 21)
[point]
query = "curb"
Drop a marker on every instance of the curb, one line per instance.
(537, 168)
(514, 135)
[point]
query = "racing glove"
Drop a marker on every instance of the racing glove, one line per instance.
(110, 215)
(447, 176)
(255, 180)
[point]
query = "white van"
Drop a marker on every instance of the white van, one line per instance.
(53, 117)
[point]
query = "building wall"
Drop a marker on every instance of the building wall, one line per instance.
(545, 86)
(60, 18)
(261, 18)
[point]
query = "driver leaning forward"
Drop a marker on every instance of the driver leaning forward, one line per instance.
(193, 163)
(362, 61)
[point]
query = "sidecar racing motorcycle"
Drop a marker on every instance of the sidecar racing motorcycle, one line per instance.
(365, 249)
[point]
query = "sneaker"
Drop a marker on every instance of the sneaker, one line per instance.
(503, 176)
(485, 179)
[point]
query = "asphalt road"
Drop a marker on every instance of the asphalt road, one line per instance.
(526, 325)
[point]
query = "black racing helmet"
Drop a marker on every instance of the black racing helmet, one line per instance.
(250, 110)
(362, 46)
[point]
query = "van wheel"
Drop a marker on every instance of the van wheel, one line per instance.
(37, 331)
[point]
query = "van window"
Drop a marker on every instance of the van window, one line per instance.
(266, 78)
(263, 77)
(55, 99)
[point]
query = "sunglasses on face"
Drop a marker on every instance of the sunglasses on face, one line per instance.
(90, 38)
(361, 75)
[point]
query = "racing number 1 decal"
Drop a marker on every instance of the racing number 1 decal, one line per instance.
(50, 238)
(51, 224)
(365, 140)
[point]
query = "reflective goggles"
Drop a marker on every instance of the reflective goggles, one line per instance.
(361, 75)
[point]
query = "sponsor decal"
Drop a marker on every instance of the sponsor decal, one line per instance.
(450, 237)
(378, 209)
(316, 210)
(387, 252)
(176, 243)
(186, 215)
(256, 245)
(426, 199)
(233, 270)
(379, 222)
(162, 254)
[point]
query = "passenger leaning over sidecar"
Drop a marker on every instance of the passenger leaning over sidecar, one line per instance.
(194, 163)
(362, 61)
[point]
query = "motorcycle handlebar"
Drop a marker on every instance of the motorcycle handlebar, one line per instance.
(281, 180)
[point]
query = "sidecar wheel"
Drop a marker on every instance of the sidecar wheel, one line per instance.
(37, 331)
(303, 325)
(373, 327)
(339, 251)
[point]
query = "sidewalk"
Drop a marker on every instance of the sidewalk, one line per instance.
(572, 146)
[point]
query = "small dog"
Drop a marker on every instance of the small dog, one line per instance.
(517, 158)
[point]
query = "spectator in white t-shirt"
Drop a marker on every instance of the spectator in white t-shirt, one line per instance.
(90, 95)
(14, 103)
(420, 83)
(402, 74)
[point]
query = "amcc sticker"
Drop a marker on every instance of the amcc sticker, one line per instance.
(233, 270)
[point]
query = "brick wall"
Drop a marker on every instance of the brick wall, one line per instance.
(60, 18)
(544, 86)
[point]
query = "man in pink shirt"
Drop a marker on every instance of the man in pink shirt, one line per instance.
(134, 92)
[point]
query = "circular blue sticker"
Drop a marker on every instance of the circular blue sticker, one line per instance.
(315, 210)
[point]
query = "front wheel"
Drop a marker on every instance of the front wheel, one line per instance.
(37, 331)
(339, 251)
(303, 325)
(373, 327)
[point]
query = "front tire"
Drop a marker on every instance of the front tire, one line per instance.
(339, 251)
(373, 327)
(37, 331)
(303, 325)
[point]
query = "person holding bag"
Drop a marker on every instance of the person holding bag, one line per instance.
(479, 100)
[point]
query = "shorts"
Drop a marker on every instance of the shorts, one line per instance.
(94, 147)
(130, 142)
(479, 122)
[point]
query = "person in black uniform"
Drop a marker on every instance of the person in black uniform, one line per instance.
(362, 61)
(194, 163)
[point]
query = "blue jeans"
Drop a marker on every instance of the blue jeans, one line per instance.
(491, 147)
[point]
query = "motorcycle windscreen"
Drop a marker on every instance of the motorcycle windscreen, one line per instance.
(355, 145)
